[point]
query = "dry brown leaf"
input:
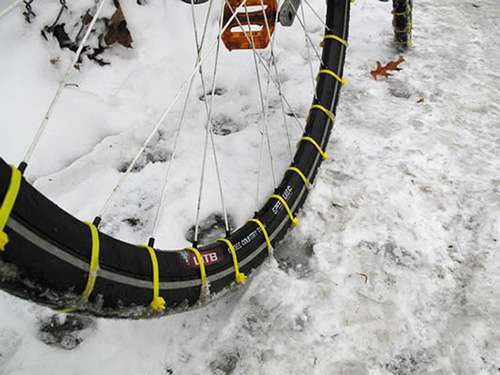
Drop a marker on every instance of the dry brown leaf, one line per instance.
(383, 71)
(117, 30)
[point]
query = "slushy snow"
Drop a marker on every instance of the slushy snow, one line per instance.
(395, 268)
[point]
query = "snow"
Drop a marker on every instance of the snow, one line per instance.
(395, 267)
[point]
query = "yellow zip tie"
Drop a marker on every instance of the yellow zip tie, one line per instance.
(93, 268)
(266, 235)
(295, 221)
(334, 37)
(324, 154)
(8, 204)
(405, 13)
(158, 302)
(407, 29)
(327, 112)
(94, 262)
(203, 273)
(334, 75)
(302, 176)
(239, 277)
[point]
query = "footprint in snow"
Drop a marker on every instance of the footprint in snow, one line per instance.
(65, 332)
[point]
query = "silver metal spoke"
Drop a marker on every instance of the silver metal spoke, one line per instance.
(272, 63)
(306, 33)
(257, 191)
(264, 102)
(316, 14)
(263, 109)
(209, 134)
(10, 7)
(199, 46)
(311, 71)
(62, 85)
(282, 104)
(209, 109)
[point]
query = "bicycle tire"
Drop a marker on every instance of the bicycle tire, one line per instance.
(50, 249)
(402, 23)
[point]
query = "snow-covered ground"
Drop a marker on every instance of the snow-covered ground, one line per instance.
(395, 268)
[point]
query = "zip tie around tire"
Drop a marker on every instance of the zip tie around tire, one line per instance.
(204, 293)
(407, 29)
(333, 37)
(94, 262)
(239, 277)
(331, 73)
(270, 249)
(323, 153)
(405, 13)
(301, 175)
(295, 221)
(8, 204)
(93, 268)
(158, 303)
(327, 112)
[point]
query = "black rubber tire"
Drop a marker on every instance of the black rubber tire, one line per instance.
(402, 23)
(49, 249)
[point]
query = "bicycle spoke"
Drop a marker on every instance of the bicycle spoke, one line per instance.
(306, 33)
(10, 7)
(199, 47)
(316, 14)
(209, 110)
(209, 134)
(60, 89)
(263, 102)
(257, 190)
(309, 55)
(282, 104)
(272, 63)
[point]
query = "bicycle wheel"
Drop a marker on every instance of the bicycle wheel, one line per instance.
(57, 256)
(402, 23)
